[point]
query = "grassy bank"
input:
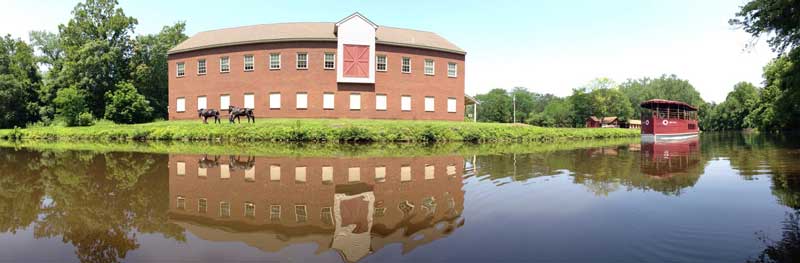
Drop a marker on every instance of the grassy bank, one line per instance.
(337, 130)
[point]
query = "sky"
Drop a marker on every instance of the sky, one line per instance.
(545, 46)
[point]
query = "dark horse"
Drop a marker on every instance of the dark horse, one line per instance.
(208, 163)
(237, 113)
(236, 163)
(206, 113)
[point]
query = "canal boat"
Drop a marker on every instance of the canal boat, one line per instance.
(665, 120)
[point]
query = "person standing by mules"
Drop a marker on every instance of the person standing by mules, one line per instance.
(236, 112)
(206, 113)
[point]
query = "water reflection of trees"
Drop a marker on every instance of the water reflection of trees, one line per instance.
(96, 202)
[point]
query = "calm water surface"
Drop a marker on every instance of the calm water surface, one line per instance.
(726, 198)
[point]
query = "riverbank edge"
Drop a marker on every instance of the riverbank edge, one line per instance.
(314, 130)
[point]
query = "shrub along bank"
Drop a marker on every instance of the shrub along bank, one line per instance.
(316, 130)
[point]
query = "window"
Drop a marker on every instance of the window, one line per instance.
(326, 215)
(180, 203)
(302, 60)
(274, 100)
(202, 205)
(250, 174)
(406, 66)
(327, 174)
(250, 101)
(275, 213)
(429, 105)
(451, 104)
(451, 170)
(405, 173)
(202, 172)
(380, 102)
(452, 70)
(180, 168)
(300, 174)
(275, 61)
(274, 172)
(354, 174)
(405, 103)
(249, 62)
(224, 65)
(180, 104)
(328, 101)
(330, 61)
(429, 66)
(380, 174)
(302, 100)
(249, 209)
(224, 102)
(181, 69)
(380, 63)
(355, 101)
(224, 171)
(202, 103)
(301, 213)
(224, 209)
(430, 172)
(201, 67)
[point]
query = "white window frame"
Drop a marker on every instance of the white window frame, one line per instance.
(301, 101)
(332, 60)
(378, 63)
(202, 70)
(454, 68)
(355, 105)
(452, 105)
(275, 101)
(252, 100)
(180, 69)
(403, 65)
(405, 103)
(297, 60)
(432, 67)
(180, 104)
(252, 63)
(430, 104)
(224, 64)
(204, 103)
(328, 101)
(222, 102)
(381, 102)
(275, 61)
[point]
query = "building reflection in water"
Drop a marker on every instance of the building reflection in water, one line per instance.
(672, 158)
(354, 206)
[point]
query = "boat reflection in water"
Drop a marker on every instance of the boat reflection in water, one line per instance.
(664, 159)
(352, 205)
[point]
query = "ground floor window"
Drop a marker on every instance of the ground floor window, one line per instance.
(302, 100)
(249, 209)
(274, 100)
(202, 205)
(202, 103)
(224, 102)
(429, 104)
(380, 102)
(355, 101)
(327, 101)
(249, 101)
(300, 174)
(224, 209)
(451, 104)
(301, 213)
(180, 104)
(327, 174)
(405, 103)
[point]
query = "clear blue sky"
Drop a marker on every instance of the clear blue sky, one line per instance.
(546, 46)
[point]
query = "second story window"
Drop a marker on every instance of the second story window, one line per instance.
(181, 69)
(330, 59)
(302, 60)
(406, 66)
(452, 70)
(201, 67)
(380, 63)
(224, 64)
(429, 66)
(249, 62)
(275, 61)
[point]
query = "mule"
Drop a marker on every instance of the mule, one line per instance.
(237, 113)
(206, 113)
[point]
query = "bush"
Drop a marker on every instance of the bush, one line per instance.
(126, 105)
(85, 119)
(70, 105)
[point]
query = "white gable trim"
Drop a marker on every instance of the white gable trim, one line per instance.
(359, 15)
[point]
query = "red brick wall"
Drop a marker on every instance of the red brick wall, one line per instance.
(315, 81)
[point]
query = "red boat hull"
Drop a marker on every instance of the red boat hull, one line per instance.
(656, 128)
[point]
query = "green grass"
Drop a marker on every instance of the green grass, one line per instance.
(315, 130)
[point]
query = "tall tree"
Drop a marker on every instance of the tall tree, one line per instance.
(495, 106)
(19, 80)
(149, 65)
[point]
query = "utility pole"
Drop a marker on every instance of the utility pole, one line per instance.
(514, 106)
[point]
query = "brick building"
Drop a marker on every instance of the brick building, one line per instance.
(349, 69)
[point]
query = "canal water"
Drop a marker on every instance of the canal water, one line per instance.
(722, 197)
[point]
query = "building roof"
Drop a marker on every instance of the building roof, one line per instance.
(635, 122)
(651, 104)
(606, 120)
(309, 31)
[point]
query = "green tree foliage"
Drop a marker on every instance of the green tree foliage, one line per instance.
(126, 105)
(608, 102)
(668, 87)
(732, 114)
(495, 106)
(19, 80)
(556, 113)
(149, 65)
(70, 104)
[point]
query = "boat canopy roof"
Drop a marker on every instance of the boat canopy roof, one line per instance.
(659, 103)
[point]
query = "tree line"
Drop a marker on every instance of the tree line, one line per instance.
(92, 68)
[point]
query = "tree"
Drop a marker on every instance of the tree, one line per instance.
(580, 103)
(778, 19)
(97, 46)
(495, 106)
(70, 105)
(557, 113)
(668, 87)
(608, 102)
(149, 65)
(19, 80)
(126, 105)
(524, 101)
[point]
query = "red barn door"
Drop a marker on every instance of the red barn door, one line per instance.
(356, 61)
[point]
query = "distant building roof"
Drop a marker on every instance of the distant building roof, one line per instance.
(635, 122)
(606, 120)
(309, 31)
